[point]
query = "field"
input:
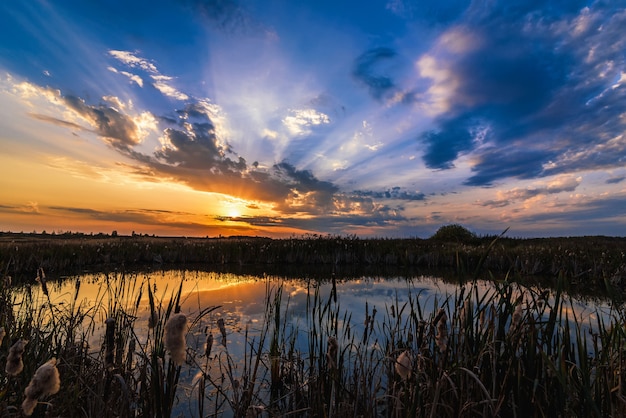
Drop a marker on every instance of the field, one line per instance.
(515, 350)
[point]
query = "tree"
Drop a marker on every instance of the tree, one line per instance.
(454, 233)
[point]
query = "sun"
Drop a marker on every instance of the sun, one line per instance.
(232, 209)
(233, 212)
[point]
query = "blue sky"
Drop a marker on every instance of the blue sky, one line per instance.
(380, 118)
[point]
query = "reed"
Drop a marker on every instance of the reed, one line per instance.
(506, 351)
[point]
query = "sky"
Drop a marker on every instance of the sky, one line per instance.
(279, 118)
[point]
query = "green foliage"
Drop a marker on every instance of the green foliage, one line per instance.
(455, 233)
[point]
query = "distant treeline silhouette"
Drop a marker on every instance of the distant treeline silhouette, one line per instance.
(597, 260)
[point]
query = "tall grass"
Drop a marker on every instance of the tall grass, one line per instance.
(504, 351)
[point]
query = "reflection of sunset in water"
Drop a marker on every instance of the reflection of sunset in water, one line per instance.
(242, 300)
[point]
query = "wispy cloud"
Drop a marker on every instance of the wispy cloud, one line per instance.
(160, 82)
(558, 185)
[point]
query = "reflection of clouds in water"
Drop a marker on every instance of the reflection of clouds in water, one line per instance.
(243, 300)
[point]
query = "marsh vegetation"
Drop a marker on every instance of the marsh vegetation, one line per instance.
(512, 348)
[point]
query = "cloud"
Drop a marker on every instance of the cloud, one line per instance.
(545, 86)
(32, 208)
(169, 91)
(161, 82)
(252, 220)
(132, 60)
(162, 218)
(395, 193)
(367, 72)
(56, 121)
(615, 180)
(443, 146)
(228, 16)
(300, 121)
(132, 77)
(495, 163)
(558, 185)
(117, 128)
(598, 216)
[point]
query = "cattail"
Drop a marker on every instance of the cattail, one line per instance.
(331, 353)
(209, 345)
(2, 334)
(174, 338)
(41, 278)
(220, 325)
(372, 319)
(109, 343)
(131, 353)
(517, 317)
(465, 314)
(45, 382)
(404, 365)
(153, 319)
(15, 365)
(442, 330)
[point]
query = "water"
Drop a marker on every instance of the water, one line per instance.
(243, 302)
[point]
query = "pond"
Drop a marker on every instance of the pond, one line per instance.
(272, 340)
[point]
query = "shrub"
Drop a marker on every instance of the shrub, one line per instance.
(455, 233)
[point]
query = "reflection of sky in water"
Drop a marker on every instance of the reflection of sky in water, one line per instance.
(242, 299)
(243, 302)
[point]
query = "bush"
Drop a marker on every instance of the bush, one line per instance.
(455, 233)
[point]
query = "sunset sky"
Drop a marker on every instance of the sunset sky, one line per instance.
(281, 118)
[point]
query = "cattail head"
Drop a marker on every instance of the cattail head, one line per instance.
(209, 345)
(41, 278)
(2, 334)
(517, 317)
(220, 325)
(174, 339)
(404, 365)
(153, 319)
(45, 382)
(441, 338)
(331, 353)
(131, 353)
(15, 365)
(109, 342)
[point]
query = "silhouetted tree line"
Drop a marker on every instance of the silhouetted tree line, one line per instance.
(594, 260)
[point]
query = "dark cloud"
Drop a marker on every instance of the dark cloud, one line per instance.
(197, 147)
(443, 146)
(394, 193)
(541, 84)
(252, 220)
(498, 163)
(227, 16)
(615, 180)
(118, 129)
(367, 71)
(305, 190)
